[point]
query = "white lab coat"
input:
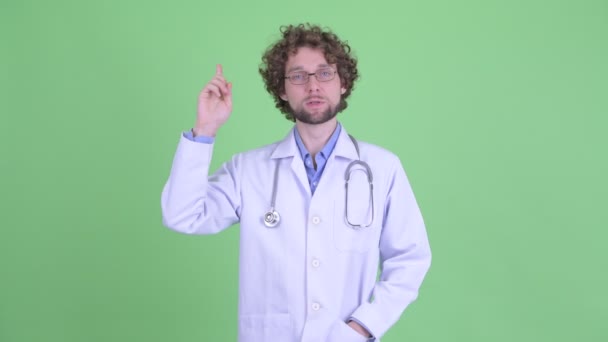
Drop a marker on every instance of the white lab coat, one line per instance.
(302, 280)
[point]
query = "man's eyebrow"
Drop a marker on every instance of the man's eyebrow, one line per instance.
(295, 68)
(299, 67)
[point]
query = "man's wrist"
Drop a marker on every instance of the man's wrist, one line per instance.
(358, 328)
(208, 131)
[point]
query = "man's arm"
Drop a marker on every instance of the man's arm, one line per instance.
(191, 202)
(405, 256)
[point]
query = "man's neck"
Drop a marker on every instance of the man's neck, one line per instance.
(315, 137)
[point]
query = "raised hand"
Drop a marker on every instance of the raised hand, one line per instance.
(214, 105)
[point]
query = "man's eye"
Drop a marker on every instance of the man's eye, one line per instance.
(325, 74)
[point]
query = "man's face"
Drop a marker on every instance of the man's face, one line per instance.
(313, 102)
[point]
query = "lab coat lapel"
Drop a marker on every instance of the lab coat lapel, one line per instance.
(287, 148)
(345, 147)
(344, 152)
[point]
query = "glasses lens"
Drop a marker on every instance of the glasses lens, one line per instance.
(325, 74)
(298, 77)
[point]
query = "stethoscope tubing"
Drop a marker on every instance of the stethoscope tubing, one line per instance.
(272, 218)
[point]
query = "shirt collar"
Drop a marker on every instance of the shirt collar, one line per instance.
(326, 150)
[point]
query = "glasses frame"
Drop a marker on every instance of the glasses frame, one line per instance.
(308, 74)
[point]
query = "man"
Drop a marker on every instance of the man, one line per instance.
(309, 245)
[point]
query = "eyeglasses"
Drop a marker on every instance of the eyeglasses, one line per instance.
(301, 77)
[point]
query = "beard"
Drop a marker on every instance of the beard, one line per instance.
(307, 117)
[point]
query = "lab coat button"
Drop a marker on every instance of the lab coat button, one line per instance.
(316, 306)
(316, 263)
(316, 220)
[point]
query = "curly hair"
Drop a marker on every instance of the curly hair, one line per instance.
(336, 52)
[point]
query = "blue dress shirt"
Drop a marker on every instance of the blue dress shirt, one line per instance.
(321, 158)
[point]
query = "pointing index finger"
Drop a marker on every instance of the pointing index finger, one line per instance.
(218, 69)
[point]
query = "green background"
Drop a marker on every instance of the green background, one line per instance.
(496, 108)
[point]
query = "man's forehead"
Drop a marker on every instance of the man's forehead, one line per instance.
(306, 57)
(301, 67)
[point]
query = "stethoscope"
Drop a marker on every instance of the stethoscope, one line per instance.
(272, 217)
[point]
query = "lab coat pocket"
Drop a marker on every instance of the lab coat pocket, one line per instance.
(356, 222)
(341, 332)
(262, 328)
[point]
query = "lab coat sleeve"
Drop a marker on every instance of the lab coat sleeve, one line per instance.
(405, 258)
(193, 202)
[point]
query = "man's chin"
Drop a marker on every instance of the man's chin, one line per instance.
(316, 117)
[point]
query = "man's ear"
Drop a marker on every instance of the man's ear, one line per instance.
(283, 97)
(342, 90)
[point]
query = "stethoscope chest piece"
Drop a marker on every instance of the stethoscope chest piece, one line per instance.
(271, 218)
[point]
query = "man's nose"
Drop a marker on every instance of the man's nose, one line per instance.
(312, 84)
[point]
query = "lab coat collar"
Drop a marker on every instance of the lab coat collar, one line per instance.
(288, 147)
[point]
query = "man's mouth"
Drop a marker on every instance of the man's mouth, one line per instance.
(315, 101)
